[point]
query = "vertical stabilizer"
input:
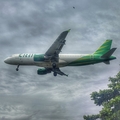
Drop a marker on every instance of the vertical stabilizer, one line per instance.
(105, 47)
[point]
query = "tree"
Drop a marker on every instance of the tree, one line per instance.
(109, 99)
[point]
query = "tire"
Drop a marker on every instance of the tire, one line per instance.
(55, 74)
(17, 69)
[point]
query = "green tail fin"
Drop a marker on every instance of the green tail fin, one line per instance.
(105, 47)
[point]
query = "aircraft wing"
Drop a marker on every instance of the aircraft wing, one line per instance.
(52, 53)
(56, 47)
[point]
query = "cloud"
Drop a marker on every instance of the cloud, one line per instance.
(31, 27)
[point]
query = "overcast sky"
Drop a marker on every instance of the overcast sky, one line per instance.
(31, 26)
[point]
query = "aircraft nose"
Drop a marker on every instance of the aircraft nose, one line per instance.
(7, 60)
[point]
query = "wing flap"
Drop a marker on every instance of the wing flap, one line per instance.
(58, 71)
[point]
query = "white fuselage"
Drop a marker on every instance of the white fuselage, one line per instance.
(28, 59)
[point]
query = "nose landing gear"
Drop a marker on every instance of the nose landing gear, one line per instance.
(17, 68)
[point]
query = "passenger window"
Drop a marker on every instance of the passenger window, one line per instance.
(20, 55)
(32, 55)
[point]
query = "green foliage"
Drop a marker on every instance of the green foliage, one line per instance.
(109, 99)
(91, 117)
(102, 96)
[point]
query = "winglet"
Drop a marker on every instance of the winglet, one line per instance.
(69, 30)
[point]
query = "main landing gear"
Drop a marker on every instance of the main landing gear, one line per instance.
(54, 67)
(17, 68)
(55, 74)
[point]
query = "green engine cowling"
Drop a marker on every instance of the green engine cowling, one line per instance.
(43, 71)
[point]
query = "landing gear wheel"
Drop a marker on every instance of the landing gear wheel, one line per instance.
(55, 74)
(17, 68)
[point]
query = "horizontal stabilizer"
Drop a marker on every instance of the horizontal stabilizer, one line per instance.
(109, 53)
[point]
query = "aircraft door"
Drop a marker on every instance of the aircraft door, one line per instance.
(20, 58)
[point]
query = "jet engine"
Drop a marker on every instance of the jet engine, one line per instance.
(43, 71)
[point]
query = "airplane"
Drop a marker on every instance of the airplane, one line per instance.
(52, 60)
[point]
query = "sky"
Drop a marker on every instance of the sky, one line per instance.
(28, 26)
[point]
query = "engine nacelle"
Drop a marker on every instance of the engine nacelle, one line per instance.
(43, 71)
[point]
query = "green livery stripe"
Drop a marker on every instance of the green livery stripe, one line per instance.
(81, 61)
(87, 60)
(39, 57)
(84, 58)
(105, 47)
